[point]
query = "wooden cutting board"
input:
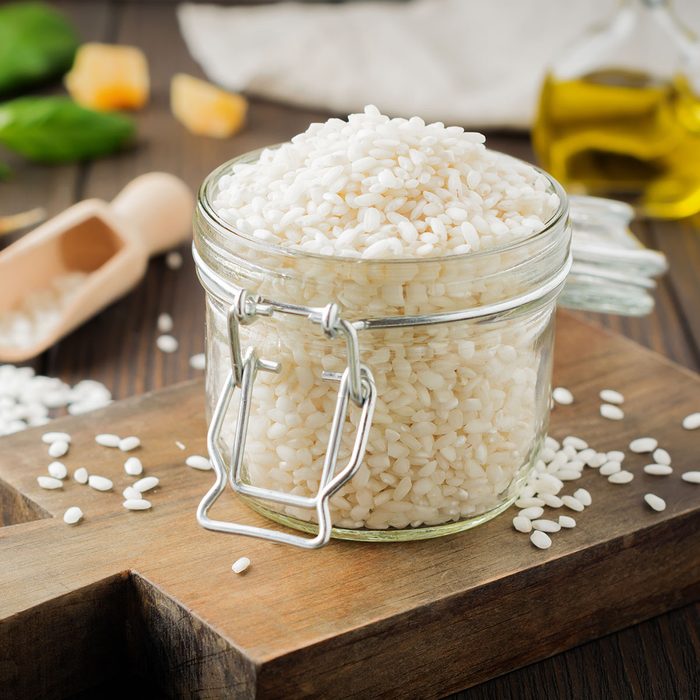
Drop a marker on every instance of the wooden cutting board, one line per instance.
(128, 596)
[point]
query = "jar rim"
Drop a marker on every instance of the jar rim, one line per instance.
(206, 207)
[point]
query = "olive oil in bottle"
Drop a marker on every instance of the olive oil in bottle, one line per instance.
(619, 113)
(623, 134)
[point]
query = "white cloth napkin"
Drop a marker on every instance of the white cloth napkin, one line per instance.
(470, 62)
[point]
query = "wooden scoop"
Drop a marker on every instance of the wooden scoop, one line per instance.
(109, 243)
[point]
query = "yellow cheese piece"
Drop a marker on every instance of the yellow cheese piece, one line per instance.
(206, 109)
(109, 77)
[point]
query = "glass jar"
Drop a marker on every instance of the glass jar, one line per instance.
(455, 358)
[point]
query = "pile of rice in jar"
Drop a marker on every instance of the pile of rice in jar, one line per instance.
(393, 217)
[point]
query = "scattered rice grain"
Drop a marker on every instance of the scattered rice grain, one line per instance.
(146, 484)
(198, 361)
(198, 462)
(49, 482)
(572, 503)
(100, 483)
(137, 504)
(107, 440)
(130, 443)
(173, 260)
(658, 469)
(133, 466)
(522, 524)
(611, 396)
(562, 396)
(692, 421)
(58, 470)
(583, 496)
(621, 477)
(611, 412)
(165, 323)
(546, 525)
(661, 456)
(59, 448)
(655, 502)
(540, 539)
(643, 444)
(240, 565)
(567, 521)
(166, 343)
(48, 438)
(72, 516)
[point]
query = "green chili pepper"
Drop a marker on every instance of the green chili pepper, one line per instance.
(36, 43)
(55, 130)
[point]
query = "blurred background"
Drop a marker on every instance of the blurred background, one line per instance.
(602, 93)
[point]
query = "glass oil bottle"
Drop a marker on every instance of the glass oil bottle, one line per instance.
(619, 113)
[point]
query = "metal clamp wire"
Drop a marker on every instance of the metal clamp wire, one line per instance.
(329, 484)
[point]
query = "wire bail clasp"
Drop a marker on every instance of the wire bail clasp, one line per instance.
(355, 382)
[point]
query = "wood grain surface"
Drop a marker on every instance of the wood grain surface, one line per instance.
(152, 592)
(656, 659)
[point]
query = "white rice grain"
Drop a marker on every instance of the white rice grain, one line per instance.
(198, 462)
(611, 412)
(130, 443)
(540, 539)
(49, 482)
(661, 456)
(107, 440)
(531, 513)
(198, 361)
(240, 565)
(146, 484)
(164, 323)
(610, 467)
(173, 260)
(562, 396)
(576, 442)
(655, 502)
(692, 421)
(100, 483)
(137, 504)
(658, 469)
(73, 515)
(59, 448)
(546, 525)
(621, 477)
(131, 494)
(643, 445)
(522, 524)
(572, 503)
(48, 438)
(133, 466)
(58, 470)
(583, 496)
(611, 396)
(167, 343)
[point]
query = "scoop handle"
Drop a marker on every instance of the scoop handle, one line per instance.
(156, 209)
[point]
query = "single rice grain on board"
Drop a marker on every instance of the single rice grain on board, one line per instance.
(457, 413)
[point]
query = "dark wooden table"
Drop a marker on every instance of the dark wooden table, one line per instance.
(657, 659)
